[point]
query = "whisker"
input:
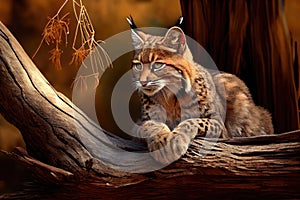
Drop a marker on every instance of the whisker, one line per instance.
(134, 84)
(135, 81)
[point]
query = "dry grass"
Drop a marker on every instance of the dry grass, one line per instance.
(79, 55)
(55, 57)
(56, 32)
(80, 83)
(55, 29)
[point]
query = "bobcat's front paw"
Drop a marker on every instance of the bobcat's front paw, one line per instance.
(166, 147)
(159, 146)
(159, 140)
(151, 128)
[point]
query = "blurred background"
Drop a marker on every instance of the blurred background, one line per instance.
(27, 18)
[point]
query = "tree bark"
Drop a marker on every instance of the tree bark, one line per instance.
(269, 165)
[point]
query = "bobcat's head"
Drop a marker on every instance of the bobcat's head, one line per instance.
(162, 63)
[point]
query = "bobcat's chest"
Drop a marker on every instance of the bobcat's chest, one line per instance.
(174, 110)
(163, 110)
(173, 114)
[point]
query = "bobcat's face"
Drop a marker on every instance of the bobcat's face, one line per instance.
(160, 63)
(156, 74)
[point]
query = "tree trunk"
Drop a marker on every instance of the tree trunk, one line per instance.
(250, 39)
(260, 166)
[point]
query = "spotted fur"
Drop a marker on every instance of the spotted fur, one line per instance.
(181, 99)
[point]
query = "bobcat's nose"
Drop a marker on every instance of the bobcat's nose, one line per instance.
(144, 83)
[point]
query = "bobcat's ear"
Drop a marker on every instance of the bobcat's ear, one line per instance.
(175, 39)
(138, 37)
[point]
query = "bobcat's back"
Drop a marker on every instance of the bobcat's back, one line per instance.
(243, 117)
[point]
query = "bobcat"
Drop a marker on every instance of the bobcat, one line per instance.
(181, 99)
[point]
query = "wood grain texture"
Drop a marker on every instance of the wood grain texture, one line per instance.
(57, 155)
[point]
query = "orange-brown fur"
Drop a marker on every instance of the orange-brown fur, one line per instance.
(182, 100)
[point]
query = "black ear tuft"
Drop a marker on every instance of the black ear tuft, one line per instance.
(131, 22)
(179, 22)
(137, 35)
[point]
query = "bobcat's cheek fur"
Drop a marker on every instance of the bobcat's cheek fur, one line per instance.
(187, 100)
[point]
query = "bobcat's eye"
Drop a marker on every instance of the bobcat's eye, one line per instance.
(137, 66)
(157, 66)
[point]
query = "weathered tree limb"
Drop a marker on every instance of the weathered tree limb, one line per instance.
(50, 131)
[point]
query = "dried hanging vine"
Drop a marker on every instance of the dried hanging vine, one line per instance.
(57, 32)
